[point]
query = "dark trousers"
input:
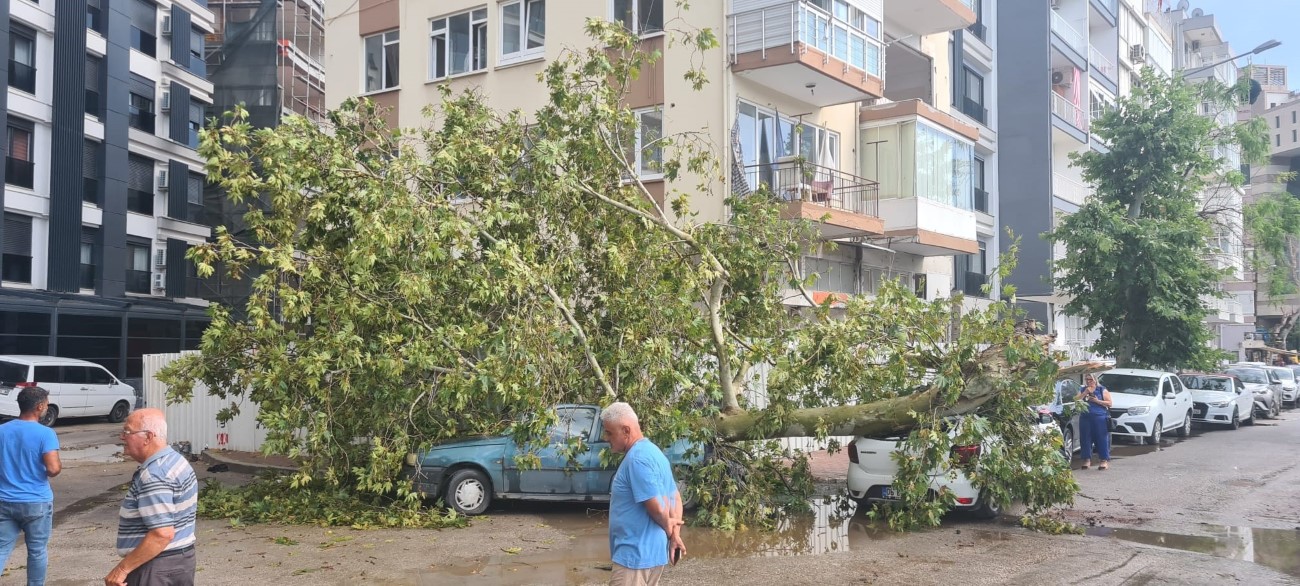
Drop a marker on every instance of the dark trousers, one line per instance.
(1094, 429)
(176, 569)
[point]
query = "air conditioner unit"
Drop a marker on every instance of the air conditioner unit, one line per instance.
(1137, 54)
(160, 258)
(162, 179)
(1061, 78)
(160, 281)
(167, 25)
(165, 104)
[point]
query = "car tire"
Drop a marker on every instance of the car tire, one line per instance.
(1067, 443)
(1185, 429)
(51, 415)
(119, 412)
(1277, 409)
(1236, 420)
(469, 492)
(986, 509)
(1156, 431)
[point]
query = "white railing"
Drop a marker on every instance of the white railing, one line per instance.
(1069, 111)
(1067, 33)
(1069, 189)
(782, 26)
(1099, 62)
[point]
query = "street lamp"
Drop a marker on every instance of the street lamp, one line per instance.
(1266, 45)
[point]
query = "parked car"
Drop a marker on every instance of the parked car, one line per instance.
(1287, 378)
(77, 388)
(468, 474)
(1265, 387)
(1064, 392)
(1147, 403)
(1220, 398)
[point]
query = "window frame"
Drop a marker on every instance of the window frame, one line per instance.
(638, 147)
(384, 44)
(525, 52)
(21, 125)
(18, 33)
(634, 13)
(446, 60)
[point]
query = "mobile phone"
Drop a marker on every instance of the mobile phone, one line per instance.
(677, 555)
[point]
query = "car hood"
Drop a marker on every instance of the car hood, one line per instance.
(1125, 400)
(1204, 396)
(1258, 388)
(477, 448)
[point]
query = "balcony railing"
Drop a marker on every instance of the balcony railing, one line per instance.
(803, 181)
(974, 284)
(90, 190)
(94, 19)
(975, 110)
(1099, 62)
(22, 76)
(137, 281)
(1069, 189)
(143, 121)
(1068, 33)
(785, 25)
(19, 172)
(978, 29)
(981, 200)
(92, 104)
(140, 202)
(87, 276)
(1069, 111)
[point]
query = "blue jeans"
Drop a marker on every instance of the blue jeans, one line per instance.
(1094, 429)
(34, 520)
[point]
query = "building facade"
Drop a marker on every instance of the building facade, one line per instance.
(102, 183)
(885, 106)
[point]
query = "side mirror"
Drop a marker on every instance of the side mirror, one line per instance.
(1169, 395)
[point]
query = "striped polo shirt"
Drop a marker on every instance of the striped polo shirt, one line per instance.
(163, 493)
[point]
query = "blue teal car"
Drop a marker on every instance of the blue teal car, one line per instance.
(467, 474)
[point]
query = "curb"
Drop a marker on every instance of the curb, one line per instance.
(240, 466)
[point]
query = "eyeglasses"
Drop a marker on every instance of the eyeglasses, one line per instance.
(125, 433)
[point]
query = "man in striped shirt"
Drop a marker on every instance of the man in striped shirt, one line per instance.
(155, 528)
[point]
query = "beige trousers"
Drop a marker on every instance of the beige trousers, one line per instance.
(624, 576)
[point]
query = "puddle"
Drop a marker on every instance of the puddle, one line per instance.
(831, 527)
(1275, 548)
(101, 454)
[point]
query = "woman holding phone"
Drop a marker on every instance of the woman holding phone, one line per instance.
(1094, 426)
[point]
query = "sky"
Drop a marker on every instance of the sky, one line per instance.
(1247, 23)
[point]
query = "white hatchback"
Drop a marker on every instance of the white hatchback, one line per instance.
(77, 388)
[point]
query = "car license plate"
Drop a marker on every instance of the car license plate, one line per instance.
(1197, 412)
(888, 492)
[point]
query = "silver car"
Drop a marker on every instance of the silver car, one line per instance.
(1265, 386)
(1287, 377)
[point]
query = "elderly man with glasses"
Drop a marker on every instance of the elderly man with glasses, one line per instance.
(155, 530)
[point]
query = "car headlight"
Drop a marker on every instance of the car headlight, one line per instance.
(1219, 404)
(1138, 410)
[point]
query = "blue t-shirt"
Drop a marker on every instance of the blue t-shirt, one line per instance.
(635, 540)
(22, 469)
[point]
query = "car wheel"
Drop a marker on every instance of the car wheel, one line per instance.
(1067, 443)
(468, 492)
(119, 412)
(986, 509)
(1277, 409)
(690, 499)
(51, 415)
(1156, 431)
(1236, 420)
(1186, 428)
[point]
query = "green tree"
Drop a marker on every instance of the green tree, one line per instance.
(1137, 264)
(462, 278)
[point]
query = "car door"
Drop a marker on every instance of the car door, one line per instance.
(1169, 404)
(1066, 391)
(556, 473)
(66, 397)
(102, 391)
(1182, 398)
(1245, 398)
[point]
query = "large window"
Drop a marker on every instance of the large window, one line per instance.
(20, 168)
(88, 256)
(16, 265)
(22, 58)
(458, 44)
(144, 26)
(141, 112)
(94, 101)
(96, 338)
(523, 29)
(137, 267)
(972, 100)
(833, 275)
(649, 155)
(978, 29)
(914, 159)
(977, 180)
(196, 122)
(139, 189)
(24, 333)
(970, 272)
(381, 52)
(150, 336)
(90, 171)
(640, 16)
(197, 62)
(766, 138)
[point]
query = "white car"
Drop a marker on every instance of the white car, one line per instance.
(1147, 403)
(1220, 398)
(1288, 382)
(77, 388)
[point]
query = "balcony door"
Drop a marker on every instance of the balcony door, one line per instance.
(766, 141)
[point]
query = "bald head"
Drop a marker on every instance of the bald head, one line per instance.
(151, 420)
(143, 434)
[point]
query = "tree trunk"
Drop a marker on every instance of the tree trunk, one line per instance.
(1283, 329)
(887, 417)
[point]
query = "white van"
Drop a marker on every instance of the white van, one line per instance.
(77, 388)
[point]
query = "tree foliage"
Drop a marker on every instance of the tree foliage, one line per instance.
(416, 285)
(1137, 263)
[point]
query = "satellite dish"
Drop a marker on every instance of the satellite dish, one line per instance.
(1198, 12)
(1182, 5)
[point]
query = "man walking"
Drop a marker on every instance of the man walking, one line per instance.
(645, 509)
(29, 458)
(155, 527)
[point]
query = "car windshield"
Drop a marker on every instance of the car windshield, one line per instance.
(1284, 374)
(1250, 375)
(1129, 383)
(1207, 383)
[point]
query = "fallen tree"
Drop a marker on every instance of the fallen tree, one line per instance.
(411, 286)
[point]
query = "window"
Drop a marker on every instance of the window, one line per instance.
(915, 159)
(139, 189)
(16, 264)
(523, 29)
(649, 155)
(977, 178)
(970, 272)
(832, 275)
(768, 140)
(458, 44)
(90, 171)
(95, 15)
(22, 58)
(1277, 122)
(978, 28)
(141, 110)
(1277, 140)
(1293, 116)
(196, 123)
(144, 25)
(94, 105)
(640, 16)
(197, 63)
(381, 61)
(137, 267)
(972, 103)
(88, 237)
(20, 169)
(1293, 135)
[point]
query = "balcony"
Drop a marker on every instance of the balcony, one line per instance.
(843, 205)
(924, 17)
(22, 77)
(1101, 64)
(137, 281)
(805, 53)
(1068, 33)
(1071, 190)
(972, 284)
(142, 121)
(1069, 112)
(975, 110)
(140, 202)
(19, 172)
(87, 278)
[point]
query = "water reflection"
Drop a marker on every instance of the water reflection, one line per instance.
(1276, 548)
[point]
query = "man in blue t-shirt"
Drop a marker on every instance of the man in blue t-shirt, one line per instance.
(645, 509)
(29, 458)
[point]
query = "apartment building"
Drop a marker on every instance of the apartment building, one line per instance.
(873, 100)
(102, 184)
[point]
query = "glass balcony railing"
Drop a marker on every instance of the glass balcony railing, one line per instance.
(87, 279)
(785, 25)
(1069, 34)
(981, 200)
(22, 76)
(19, 172)
(137, 281)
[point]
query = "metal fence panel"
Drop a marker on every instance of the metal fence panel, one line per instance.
(195, 421)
